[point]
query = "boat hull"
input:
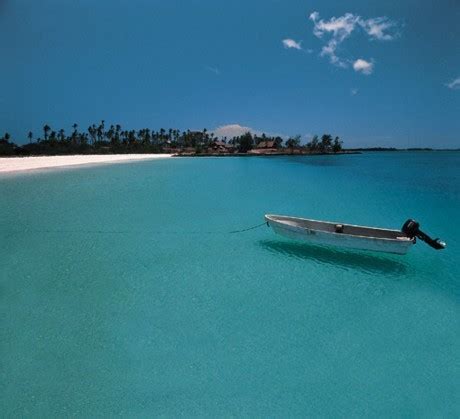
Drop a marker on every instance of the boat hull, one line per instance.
(327, 238)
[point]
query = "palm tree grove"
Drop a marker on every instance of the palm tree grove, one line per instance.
(99, 139)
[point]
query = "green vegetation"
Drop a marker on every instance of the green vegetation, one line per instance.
(99, 139)
(325, 145)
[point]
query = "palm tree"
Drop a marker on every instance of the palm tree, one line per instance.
(110, 133)
(74, 134)
(61, 135)
(92, 132)
(176, 134)
(293, 142)
(46, 130)
(132, 137)
(84, 138)
(100, 131)
(30, 135)
(125, 136)
(117, 133)
(147, 137)
(278, 141)
(337, 145)
(326, 143)
(53, 136)
(246, 142)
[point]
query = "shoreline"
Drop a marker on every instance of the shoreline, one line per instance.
(14, 164)
(264, 154)
(23, 164)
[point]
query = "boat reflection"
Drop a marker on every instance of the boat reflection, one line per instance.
(345, 259)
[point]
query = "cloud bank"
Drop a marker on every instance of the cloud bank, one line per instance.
(234, 130)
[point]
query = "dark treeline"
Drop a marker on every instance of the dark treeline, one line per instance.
(100, 139)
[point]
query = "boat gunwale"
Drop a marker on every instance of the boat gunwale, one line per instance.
(403, 239)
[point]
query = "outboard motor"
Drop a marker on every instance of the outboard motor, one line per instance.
(411, 229)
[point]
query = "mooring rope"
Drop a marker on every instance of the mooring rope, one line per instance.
(249, 228)
(130, 231)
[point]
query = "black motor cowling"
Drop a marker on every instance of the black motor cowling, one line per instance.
(411, 229)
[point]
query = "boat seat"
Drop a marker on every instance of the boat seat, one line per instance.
(339, 228)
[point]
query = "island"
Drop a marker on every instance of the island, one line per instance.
(99, 139)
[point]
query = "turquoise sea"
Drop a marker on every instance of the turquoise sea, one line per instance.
(123, 292)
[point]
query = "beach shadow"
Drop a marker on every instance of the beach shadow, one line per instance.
(345, 259)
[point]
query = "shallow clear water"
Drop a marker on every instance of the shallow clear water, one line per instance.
(122, 292)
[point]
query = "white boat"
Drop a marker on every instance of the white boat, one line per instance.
(344, 235)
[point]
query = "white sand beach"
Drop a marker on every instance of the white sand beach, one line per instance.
(19, 164)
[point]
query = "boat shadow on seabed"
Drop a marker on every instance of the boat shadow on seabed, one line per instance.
(346, 259)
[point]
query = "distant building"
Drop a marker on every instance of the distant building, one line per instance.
(222, 147)
(267, 145)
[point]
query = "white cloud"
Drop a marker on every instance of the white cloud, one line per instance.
(354, 91)
(314, 16)
(363, 66)
(454, 84)
(290, 43)
(214, 70)
(234, 130)
(340, 28)
(329, 51)
(376, 27)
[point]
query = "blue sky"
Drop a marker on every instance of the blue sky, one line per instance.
(372, 72)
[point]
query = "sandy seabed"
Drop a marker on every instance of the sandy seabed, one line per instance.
(19, 164)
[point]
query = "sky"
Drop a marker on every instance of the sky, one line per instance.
(374, 73)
